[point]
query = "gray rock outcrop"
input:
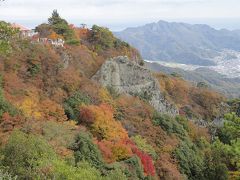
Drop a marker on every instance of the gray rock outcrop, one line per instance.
(126, 76)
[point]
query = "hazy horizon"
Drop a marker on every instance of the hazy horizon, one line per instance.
(119, 14)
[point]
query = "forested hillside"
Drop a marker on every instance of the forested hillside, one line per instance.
(58, 123)
(218, 82)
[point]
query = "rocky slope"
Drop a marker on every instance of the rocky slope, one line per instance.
(125, 76)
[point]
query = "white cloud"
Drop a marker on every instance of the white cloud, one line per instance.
(117, 12)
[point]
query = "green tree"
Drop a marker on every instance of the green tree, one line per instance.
(25, 155)
(44, 30)
(6, 35)
(191, 161)
(235, 106)
(61, 26)
(144, 146)
(73, 103)
(102, 38)
(5, 106)
(231, 129)
(83, 170)
(170, 124)
(85, 150)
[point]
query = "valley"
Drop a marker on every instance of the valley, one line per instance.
(227, 64)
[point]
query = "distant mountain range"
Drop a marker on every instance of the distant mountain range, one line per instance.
(181, 42)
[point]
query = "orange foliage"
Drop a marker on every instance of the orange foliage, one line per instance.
(81, 33)
(105, 126)
(167, 168)
(134, 108)
(52, 111)
(201, 101)
(41, 109)
(136, 118)
(54, 36)
(8, 123)
(86, 115)
(114, 151)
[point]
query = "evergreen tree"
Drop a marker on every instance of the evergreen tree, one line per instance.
(60, 26)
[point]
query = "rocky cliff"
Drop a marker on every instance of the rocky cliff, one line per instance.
(126, 76)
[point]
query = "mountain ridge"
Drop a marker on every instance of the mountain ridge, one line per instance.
(180, 42)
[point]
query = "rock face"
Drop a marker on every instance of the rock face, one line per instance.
(128, 77)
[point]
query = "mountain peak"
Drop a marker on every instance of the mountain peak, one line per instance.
(184, 43)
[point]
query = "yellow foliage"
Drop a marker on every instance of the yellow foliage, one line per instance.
(30, 107)
(121, 152)
(106, 97)
(234, 175)
(33, 107)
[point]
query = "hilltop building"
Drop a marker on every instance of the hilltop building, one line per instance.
(24, 32)
(30, 33)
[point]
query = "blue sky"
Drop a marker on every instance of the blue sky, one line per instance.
(119, 14)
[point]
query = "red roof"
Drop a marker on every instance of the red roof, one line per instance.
(20, 27)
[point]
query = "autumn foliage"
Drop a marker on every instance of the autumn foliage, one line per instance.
(48, 94)
(194, 102)
(104, 126)
(114, 151)
(146, 159)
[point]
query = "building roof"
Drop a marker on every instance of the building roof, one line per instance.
(20, 27)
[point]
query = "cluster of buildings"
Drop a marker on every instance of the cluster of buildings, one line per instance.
(31, 34)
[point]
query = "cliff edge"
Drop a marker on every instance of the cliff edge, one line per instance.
(126, 76)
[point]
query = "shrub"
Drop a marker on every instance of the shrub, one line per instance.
(170, 124)
(114, 151)
(190, 160)
(106, 97)
(146, 161)
(5, 106)
(25, 154)
(85, 150)
(227, 154)
(60, 136)
(116, 174)
(119, 44)
(74, 42)
(235, 106)
(34, 69)
(101, 37)
(231, 129)
(134, 168)
(73, 103)
(4, 175)
(105, 126)
(144, 146)
(7, 33)
(215, 162)
(83, 170)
